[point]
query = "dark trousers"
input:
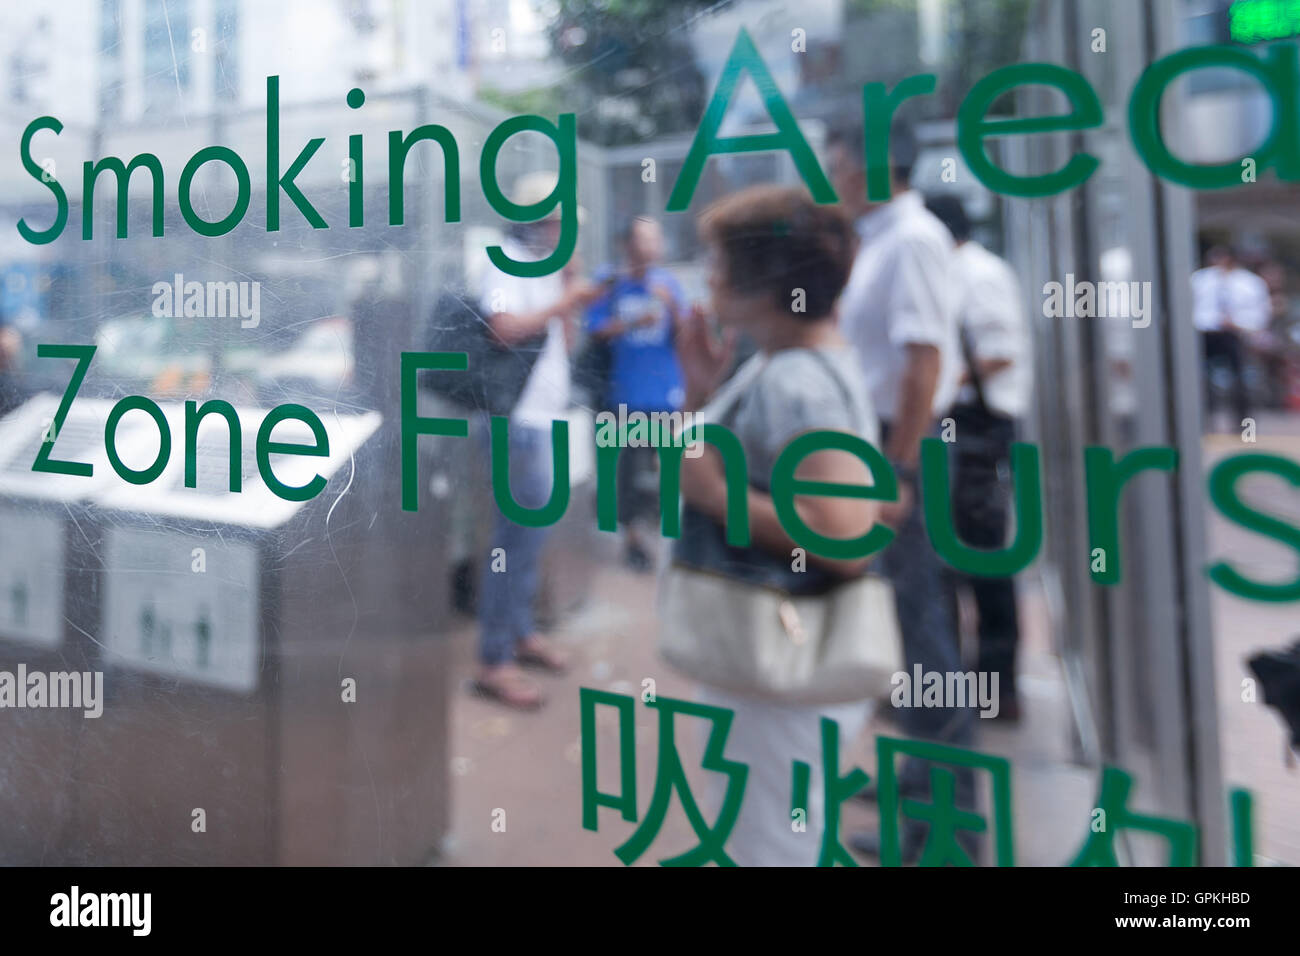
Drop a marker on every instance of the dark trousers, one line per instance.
(981, 503)
(929, 639)
(638, 483)
(1225, 348)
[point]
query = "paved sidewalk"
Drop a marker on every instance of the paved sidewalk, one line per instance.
(528, 765)
(1252, 735)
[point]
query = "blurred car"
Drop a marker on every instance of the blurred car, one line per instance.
(167, 356)
(321, 359)
(152, 352)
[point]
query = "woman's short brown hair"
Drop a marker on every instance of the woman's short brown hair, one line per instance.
(775, 240)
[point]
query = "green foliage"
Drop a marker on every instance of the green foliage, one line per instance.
(632, 69)
(632, 74)
(979, 37)
(868, 7)
(545, 101)
(986, 35)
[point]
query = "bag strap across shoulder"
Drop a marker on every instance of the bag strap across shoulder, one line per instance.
(835, 376)
(725, 401)
(973, 369)
(723, 406)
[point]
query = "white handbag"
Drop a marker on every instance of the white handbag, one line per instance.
(839, 646)
(832, 648)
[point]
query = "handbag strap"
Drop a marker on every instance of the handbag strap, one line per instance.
(973, 368)
(833, 372)
(724, 404)
(725, 408)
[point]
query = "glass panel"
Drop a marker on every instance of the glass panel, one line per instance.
(388, 635)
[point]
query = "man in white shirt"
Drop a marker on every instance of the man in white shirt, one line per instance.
(520, 311)
(897, 313)
(995, 386)
(1229, 302)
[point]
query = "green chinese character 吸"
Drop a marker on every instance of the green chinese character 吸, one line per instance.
(669, 776)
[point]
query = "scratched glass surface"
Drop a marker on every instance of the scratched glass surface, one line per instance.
(217, 648)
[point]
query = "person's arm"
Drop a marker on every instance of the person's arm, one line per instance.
(669, 293)
(704, 357)
(1256, 308)
(988, 368)
(601, 319)
(513, 327)
(704, 487)
(1227, 308)
(992, 314)
(613, 329)
(11, 344)
(915, 400)
(919, 324)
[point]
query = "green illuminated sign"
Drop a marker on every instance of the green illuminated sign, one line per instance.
(1254, 21)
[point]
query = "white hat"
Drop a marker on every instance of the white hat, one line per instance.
(533, 188)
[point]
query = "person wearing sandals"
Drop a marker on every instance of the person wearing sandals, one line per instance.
(522, 310)
(778, 262)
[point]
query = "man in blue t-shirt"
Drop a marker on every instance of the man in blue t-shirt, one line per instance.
(636, 319)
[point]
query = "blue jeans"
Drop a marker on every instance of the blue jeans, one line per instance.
(929, 634)
(506, 597)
